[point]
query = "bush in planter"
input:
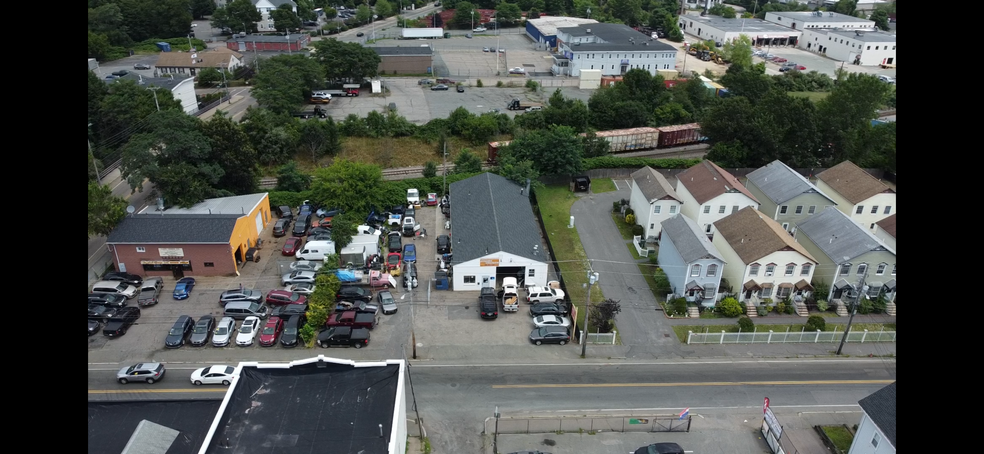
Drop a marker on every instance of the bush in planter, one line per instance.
(823, 305)
(880, 305)
(762, 310)
(866, 306)
(780, 307)
(637, 229)
(629, 212)
(730, 307)
(745, 324)
(816, 322)
(629, 218)
(679, 306)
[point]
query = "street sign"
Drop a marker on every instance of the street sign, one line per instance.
(765, 406)
(685, 412)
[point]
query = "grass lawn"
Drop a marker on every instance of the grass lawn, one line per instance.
(730, 326)
(624, 229)
(811, 95)
(841, 437)
(390, 152)
(603, 185)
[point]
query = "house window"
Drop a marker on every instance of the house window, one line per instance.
(799, 209)
(672, 209)
(783, 209)
(859, 210)
(141, 249)
(770, 270)
(845, 269)
(862, 268)
(881, 269)
(695, 271)
(784, 292)
(875, 440)
(707, 228)
(754, 269)
(790, 269)
(469, 279)
(766, 293)
(710, 290)
(209, 264)
(531, 273)
(657, 209)
(874, 209)
(893, 270)
(652, 226)
(805, 270)
(812, 210)
(888, 209)
(785, 226)
(712, 270)
(734, 209)
(874, 291)
(721, 209)
(707, 209)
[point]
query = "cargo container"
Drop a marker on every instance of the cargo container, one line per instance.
(494, 149)
(422, 33)
(677, 135)
(630, 139)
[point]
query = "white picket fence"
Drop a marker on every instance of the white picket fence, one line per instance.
(602, 338)
(803, 336)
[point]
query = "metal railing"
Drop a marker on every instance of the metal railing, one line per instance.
(804, 336)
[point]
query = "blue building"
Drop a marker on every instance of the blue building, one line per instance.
(691, 262)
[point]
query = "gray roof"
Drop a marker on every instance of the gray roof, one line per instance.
(492, 214)
(653, 185)
(277, 3)
(838, 237)
(163, 82)
(781, 184)
(403, 51)
(827, 16)
(690, 241)
(239, 205)
(746, 26)
(166, 228)
(614, 37)
(880, 407)
(865, 36)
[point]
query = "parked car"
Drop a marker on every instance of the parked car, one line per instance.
(121, 322)
(121, 73)
(660, 448)
(119, 287)
(271, 331)
(202, 330)
(296, 277)
(387, 302)
(343, 335)
(360, 34)
(425, 82)
(547, 309)
(114, 300)
(359, 306)
(93, 327)
(223, 332)
(213, 375)
(353, 293)
(486, 49)
(141, 66)
(292, 245)
(282, 297)
(182, 290)
(551, 320)
(305, 209)
(409, 253)
(284, 211)
(394, 241)
(179, 332)
(145, 372)
(301, 226)
(460, 88)
(328, 212)
(443, 244)
(306, 265)
(432, 197)
(292, 330)
(439, 87)
(281, 227)
(550, 335)
(100, 313)
(247, 331)
(304, 288)
(517, 70)
(284, 312)
(131, 279)
(544, 295)
(150, 291)
(240, 294)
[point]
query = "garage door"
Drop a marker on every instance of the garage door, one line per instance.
(259, 223)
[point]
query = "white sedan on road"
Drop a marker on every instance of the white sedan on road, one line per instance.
(213, 375)
(247, 332)
(551, 320)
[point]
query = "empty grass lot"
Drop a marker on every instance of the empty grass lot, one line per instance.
(602, 185)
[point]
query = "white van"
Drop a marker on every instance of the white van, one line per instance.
(117, 287)
(315, 250)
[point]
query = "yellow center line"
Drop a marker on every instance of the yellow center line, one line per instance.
(711, 383)
(159, 390)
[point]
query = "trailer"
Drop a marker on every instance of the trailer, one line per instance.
(631, 139)
(373, 278)
(494, 150)
(675, 136)
(422, 33)
(517, 104)
(317, 112)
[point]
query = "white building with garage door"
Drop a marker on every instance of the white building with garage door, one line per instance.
(494, 234)
(865, 48)
(721, 30)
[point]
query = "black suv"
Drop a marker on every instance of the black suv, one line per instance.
(290, 337)
(301, 226)
(179, 332)
(100, 313)
(351, 293)
(443, 244)
(285, 212)
(122, 321)
(547, 309)
(288, 310)
(487, 306)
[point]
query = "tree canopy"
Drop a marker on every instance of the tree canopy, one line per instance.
(285, 82)
(346, 62)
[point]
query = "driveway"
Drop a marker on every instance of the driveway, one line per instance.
(642, 328)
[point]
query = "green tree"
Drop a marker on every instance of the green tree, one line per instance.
(724, 11)
(290, 178)
(363, 14)
(384, 8)
(232, 150)
(105, 209)
(314, 138)
(595, 146)
(430, 169)
(242, 14)
(284, 19)
(464, 14)
(738, 51)
(848, 7)
(202, 8)
(343, 229)
(508, 13)
(880, 17)
(554, 151)
(346, 62)
(662, 283)
(628, 11)
(352, 186)
(517, 171)
(850, 107)
(273, 136)
(305, 9)
(208, 77)
(747, 83)
(672, 113)
(98, 46)
(481, 128)
(97, 91)
(602, 315)
(126, 107)
(286, 82)
(466, 162)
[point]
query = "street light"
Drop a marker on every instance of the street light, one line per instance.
(473, 19)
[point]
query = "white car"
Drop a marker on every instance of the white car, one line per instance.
(551, 320)
(478, 29)
(296, 277)
(213, 375)
(223, 332)
(247, 332)
(517, 70)
(306, 265)
(413, 197)
(303, 288)
(886, 79)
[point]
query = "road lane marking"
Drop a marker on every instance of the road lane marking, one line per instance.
(155, 391)
(712, 383)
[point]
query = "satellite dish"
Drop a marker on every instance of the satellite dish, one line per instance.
(130, 209)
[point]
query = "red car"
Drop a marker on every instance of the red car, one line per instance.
(270, 332)
(284, 297)
(394, 260)
(292, 245)
(431, 199)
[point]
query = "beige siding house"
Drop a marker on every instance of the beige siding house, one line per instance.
(709, 193)
(862, 197)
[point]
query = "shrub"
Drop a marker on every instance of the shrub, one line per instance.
(479, 83)
(823, 305)
(762, 310)
(880, 304)
(790, 309)
(499, 84)
(532, 84)
(730, 307)
(866, 306)
(745, 324)
(307, 333)
(637, 229)
(630, 219)
(430, 169)
(679, 306)
(816, 322)
(780, 307)
(629, 211)
(662, 282)
(616, 205)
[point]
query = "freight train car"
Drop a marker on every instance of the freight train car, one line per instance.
(634, 139)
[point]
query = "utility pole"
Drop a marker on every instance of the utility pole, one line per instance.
(89, 142)
(862, 293)
(445, 172)
(592, 278)
(154, 89)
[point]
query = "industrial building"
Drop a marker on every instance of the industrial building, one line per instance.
(828, 20)
(612, 48)
(293, 42)
(721, 30)
(191, 62)
(405, 59)
(543, 31)
(865, 48)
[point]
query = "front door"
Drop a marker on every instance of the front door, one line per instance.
(177, 271)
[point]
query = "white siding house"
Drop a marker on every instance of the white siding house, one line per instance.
(858, 194)
(653, 200)
(691, 262)
(877, 432)
(265, 7)
(709, 193)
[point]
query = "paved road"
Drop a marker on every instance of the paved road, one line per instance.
(642, 328)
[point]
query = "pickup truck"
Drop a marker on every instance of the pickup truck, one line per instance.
(352, 319)
(359, 306)
(395, 220)
(510, 295)
(343, 335)
(373, 278)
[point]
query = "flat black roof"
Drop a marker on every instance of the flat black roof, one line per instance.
(111, 424)
(403, 51)
(332, 408)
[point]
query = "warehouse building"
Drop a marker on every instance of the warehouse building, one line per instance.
(721, 30)
(612, 48)
(543, 31)
(405, 60)
(865, 48)
(495, 234)
(807, 20)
